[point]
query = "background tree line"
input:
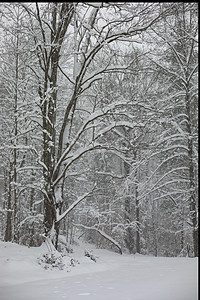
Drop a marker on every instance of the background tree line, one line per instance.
(99, 125)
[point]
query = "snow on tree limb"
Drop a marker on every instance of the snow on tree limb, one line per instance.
(84, 127)
(79, 153)
(103, 234)
(151, 190)
(72, 206)
(113, 175)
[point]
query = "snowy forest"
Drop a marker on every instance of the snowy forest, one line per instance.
(99, 118)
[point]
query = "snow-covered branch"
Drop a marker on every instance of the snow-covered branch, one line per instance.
(73, 205)
(103, 234)
(91, 119)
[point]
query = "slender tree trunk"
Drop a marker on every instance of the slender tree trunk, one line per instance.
(155, 228)
(15, 140)
(138, 223)
(182, 231)
(8, 232)
(129, 238)
(137, 209)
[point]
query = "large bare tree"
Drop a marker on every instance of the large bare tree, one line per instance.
(68, 40)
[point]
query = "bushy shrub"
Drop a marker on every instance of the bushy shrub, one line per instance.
(89, 253)
(52, 260)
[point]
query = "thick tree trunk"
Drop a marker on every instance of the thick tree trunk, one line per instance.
(52, 209)
(61, 15)
(192, 199)
(129, 238)
(49, 216)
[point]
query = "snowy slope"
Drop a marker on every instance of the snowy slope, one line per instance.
(112, 277)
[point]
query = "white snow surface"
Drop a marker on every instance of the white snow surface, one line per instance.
(112, 277)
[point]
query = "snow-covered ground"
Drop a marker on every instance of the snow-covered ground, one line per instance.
(112, 277)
